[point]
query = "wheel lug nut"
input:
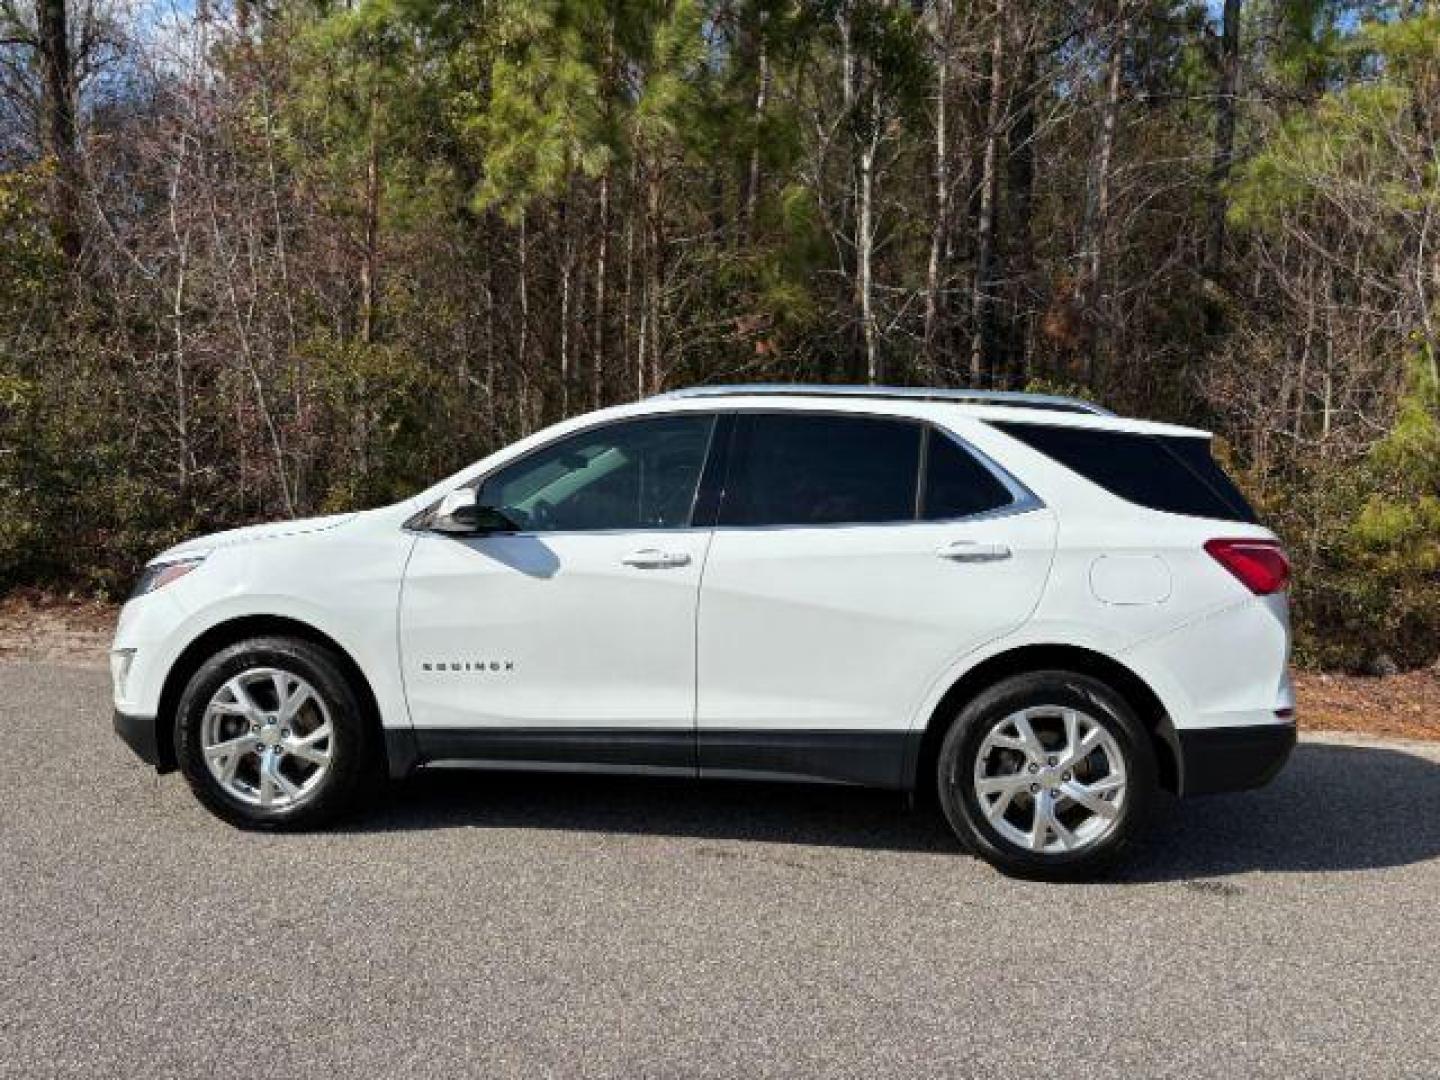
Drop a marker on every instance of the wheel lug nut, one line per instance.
(284, 733)
(1034, 768)
(1052, 762)
(1066, 778)
(1035, 789)
(254, 729)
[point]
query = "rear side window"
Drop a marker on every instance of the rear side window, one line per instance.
(796, 469)
(1173, 473)
(956, 485)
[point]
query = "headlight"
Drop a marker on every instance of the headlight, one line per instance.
(158, 575)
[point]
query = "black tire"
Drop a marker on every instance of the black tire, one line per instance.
(956, 769)
(353, 747)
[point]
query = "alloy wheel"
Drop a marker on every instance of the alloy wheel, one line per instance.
(267, 738)
(1050, 779)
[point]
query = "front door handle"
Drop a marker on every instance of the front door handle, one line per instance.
(968, 551)
(653, 559)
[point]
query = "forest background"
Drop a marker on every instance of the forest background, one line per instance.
(266, 259)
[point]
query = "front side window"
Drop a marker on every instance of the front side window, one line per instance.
(797, 469)
(641, 474)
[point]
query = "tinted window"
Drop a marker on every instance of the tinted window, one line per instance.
(956, 484)
(821, 470)
(636, 475)
(1162, 472)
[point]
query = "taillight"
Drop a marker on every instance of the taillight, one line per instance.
(1261, 565)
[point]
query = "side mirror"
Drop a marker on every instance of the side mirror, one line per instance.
(459, 513)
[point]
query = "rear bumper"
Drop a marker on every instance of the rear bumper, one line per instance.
(1232, 758)
(139, 733)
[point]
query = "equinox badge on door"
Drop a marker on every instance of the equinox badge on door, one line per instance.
(476, 666)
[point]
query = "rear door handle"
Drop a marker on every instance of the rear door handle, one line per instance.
(653, 559)
(970, 552)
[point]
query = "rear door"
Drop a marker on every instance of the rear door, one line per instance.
(855, 558)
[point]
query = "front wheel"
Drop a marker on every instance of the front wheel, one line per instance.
(271, 735)
(1047, 775)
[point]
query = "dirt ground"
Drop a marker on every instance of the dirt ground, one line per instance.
(1403, 706)
(58, 630)
(34, 626)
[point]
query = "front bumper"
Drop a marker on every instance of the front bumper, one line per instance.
(1232, 758)
(141, 735)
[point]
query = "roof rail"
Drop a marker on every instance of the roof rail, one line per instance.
(1051, 402)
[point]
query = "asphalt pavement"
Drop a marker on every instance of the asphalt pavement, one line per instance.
(475, 924)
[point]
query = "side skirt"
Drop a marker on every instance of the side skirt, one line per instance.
(620, 749)
(865, 758)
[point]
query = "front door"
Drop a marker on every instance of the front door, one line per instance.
(570, 640)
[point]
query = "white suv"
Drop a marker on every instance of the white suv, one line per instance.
(1032, 608)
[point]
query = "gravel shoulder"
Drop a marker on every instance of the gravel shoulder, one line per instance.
(471, 924)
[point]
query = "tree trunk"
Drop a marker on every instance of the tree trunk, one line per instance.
(649, 381)
(369, 262)
(762, 93)
(1019, 206)
(982, 309)
(523, 285)
(177, 316)
(865, 245)
(627, 307)
(597, 369)
(1097, 202)
(939, 227)
(487, 284)
(58, 107)
(849, 209)
(854, 75)
(1224, 135)
(567, 258)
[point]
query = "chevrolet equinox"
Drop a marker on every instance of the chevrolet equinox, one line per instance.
(1035, 610)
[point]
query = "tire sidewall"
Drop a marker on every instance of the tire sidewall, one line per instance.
(348, 744)
(956, 765)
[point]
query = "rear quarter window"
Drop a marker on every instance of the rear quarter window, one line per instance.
(956, 485)
(1173, 473)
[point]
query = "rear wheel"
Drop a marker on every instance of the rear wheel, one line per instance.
(270, 734)
(1047, 775)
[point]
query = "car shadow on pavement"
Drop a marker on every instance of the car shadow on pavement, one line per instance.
(1334, 807)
